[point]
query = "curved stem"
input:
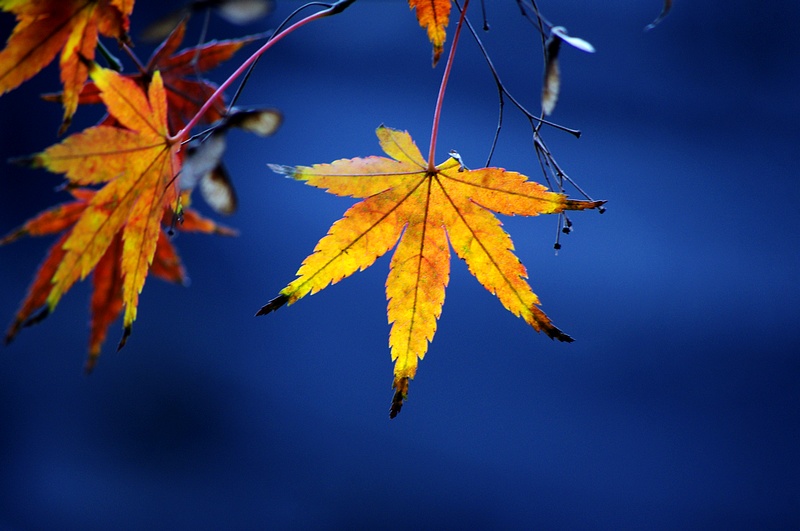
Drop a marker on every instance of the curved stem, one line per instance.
(437, 113)
(332, 9)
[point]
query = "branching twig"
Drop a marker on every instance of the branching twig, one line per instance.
(547, 163)
(331, 9)
(503, 92)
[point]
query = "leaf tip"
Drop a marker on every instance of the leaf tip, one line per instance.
(554, 333)
(437, 54)
(273, 305)
(38, 318)
(400, 385)
(542, 323)
(577, 204)
(91, 361)
(65, 125)
(13, 236)
(13, 330)
(221, 230)
(287, 171)
(126, 333)
(22, 322)
(31, 161)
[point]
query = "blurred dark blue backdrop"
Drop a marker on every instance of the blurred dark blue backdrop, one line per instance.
(677, 406)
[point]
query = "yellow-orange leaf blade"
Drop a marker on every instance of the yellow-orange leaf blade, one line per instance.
(125, 100)
(359, 177)
(433, 15)
(142, 231)
(98, 154)
(419, 273)
(479, 240)
(477, 237)
(399, 146)
(368, 176)
(367, 230)
(509, 193)
(92, 234)
(137, 164)
(425, 209)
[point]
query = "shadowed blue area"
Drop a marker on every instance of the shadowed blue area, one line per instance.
(676, 407)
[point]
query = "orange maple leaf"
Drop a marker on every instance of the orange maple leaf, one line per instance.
(137, 165)
(46, 26)
(185, 96)
(423, 209)
(433, 15)
(107, 278)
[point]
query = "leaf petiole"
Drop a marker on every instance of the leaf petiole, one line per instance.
(113, 63)
(437, 113)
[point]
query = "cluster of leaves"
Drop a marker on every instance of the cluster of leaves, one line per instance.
(122, 173)
(131, 177)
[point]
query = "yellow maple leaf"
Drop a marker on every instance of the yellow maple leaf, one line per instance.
(433, 15)
(424, 209)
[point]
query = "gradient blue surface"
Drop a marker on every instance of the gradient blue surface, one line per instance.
(676, 407)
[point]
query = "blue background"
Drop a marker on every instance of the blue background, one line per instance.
(676, 407)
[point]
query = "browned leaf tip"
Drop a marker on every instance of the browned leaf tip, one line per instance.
(546, 326)
(19, 324)
(273, 305)
(401, 393)
(126, 332)
(91, 361)
(32, 161)
(576, 204)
